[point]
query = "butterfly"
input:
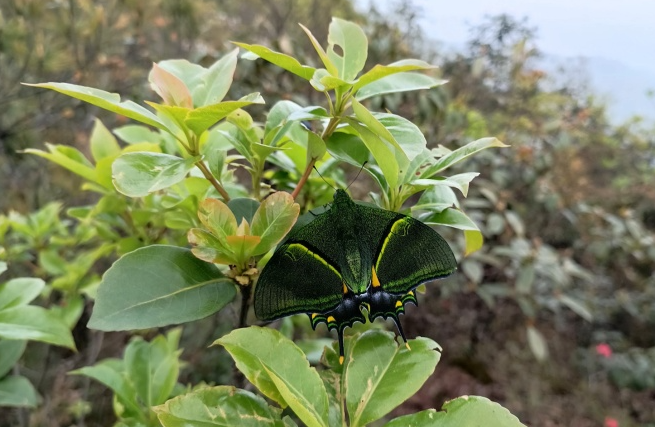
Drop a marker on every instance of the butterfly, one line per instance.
(349, 258)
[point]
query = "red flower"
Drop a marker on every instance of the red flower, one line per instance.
(611, 422)
(604, 350)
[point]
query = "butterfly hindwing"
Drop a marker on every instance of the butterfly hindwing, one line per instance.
(299, 277)
(408, 252)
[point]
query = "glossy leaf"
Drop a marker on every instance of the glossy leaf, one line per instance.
(28, 322)
(384, 155)
(379, 375)
(260, 352)
(380, 71)
(106, 100)
(400, 82)
(273, 220)
(153, 367)
(351, 40)
(202, 118)
(460, 412)
(18, 391)
(134, 134)
(452, 218)
(138, 174)
(327, 63)
(406, 134)
(427, 418)
(374, 125)
(20, 291)
(156, 286)
(216, 81)
(169, 87)
(221, 406)
(460, 154)
(286, 62)
(243, 208)
(217, 217)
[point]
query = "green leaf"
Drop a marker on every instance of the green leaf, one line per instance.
(138, 174)
(202, 118)
(106, 100)
(380, 71)
(103, 144)
(134, 134)
(537, 343)
(157, 286)
(217, 217)
(286, 62)
(323, 81)
(460, 154)
(10, 352)
(351, 40)
(348, 148)
(385, 156)
(221, 406)
(474, 241)
(372, 123)
(216, 81)
(243, 208)
(407, 135)
(3, 266)
(191, 74)
(273, 220)
(20, 291)
(425, 418)
(279, 369)
(380, 375)
(28, 322)
(111, 373)
(452, 218)
(321, 53)
(69, 158)
(400, 82)
(169, 87)
(18, 391)
(153, 368)
(471, 411)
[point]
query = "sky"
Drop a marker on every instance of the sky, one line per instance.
(617, 36)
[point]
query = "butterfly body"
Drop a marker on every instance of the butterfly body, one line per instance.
(349, 258)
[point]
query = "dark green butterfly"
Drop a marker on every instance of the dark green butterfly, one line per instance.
(349, 257)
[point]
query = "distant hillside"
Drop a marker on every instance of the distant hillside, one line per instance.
(623, 88)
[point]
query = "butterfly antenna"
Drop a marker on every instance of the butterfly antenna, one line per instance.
(357, 176)
(319, 174)
(400, 331)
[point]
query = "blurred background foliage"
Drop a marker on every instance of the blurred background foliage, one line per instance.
(568, 212)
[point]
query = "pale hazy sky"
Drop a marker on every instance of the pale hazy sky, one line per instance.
(617, 36)
(622, 30)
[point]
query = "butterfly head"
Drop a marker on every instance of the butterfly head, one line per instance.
(341, 197)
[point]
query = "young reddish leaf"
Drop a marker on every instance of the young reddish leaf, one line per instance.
(171, 89)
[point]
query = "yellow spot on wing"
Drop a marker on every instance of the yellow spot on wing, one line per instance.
(330, 319)
(345, 288)
(375, 282)
(399, 304)
(314, 315)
